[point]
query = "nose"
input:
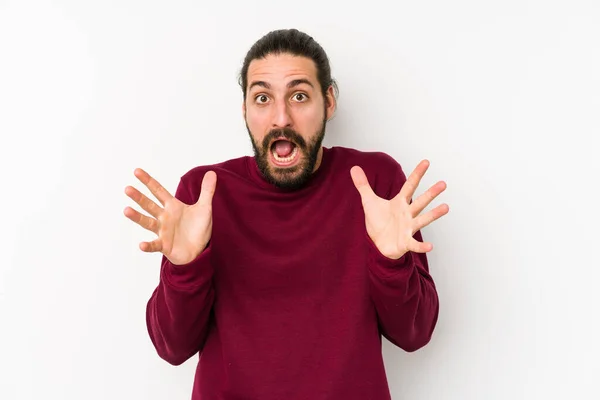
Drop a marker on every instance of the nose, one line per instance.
(282, 117)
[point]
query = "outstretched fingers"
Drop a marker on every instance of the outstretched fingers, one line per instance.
(419, 247)
(425, 219)
(413, 180)
(426, 198)
(156, 188)
(142, 220)
(361, 182)
(151, 247)
(148, 205)
(207, 190)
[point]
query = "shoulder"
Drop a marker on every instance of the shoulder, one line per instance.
(191, 181)
(231, 166)
(372, 160)
(384, 172)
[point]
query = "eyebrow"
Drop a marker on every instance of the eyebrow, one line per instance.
(290, 85)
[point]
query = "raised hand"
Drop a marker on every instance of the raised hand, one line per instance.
(391, 224)
(183, 230)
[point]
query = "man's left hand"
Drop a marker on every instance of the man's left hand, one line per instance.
(391, 224)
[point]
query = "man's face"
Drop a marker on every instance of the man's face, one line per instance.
(286, 115)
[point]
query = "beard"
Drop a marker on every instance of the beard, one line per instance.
(295, 176)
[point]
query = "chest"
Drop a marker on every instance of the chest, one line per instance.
(266, 247)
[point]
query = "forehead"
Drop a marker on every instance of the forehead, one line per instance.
(282, 67)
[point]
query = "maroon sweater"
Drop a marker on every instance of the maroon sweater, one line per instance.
(290, 298)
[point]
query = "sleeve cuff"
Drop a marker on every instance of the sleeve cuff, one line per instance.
(385, 267)
(190, 275)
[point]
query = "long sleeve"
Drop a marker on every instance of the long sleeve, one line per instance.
(179, 310)
(404, 296)
(403, 291)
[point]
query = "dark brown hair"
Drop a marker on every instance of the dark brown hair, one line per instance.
(294, 42)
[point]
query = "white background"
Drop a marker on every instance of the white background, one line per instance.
(501, 96)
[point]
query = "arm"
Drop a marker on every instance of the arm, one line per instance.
(402, 290)
(404, 296)
(178, 312)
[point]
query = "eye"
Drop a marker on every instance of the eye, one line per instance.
(261, 99)
(300, 97)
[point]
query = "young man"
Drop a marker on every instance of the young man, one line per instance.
(286, 274)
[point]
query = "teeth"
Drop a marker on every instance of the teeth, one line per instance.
(288, 158)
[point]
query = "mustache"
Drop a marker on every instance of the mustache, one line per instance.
(283, 133)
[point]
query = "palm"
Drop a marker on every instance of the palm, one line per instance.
(183, 230)
(391, 224)
(389, 219)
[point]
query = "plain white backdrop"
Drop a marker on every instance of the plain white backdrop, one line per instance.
(501, 96)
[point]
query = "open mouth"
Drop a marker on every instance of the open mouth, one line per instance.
(284, 152)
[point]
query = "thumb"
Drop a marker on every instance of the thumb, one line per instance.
(209, 183)
(362, 184)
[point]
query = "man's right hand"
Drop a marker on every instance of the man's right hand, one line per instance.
(183, 230)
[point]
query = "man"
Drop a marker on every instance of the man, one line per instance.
(286, 274)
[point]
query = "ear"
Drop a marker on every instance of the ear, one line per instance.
(244, 109)
(330, 101)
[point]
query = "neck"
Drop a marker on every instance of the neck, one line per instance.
(319, 158)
